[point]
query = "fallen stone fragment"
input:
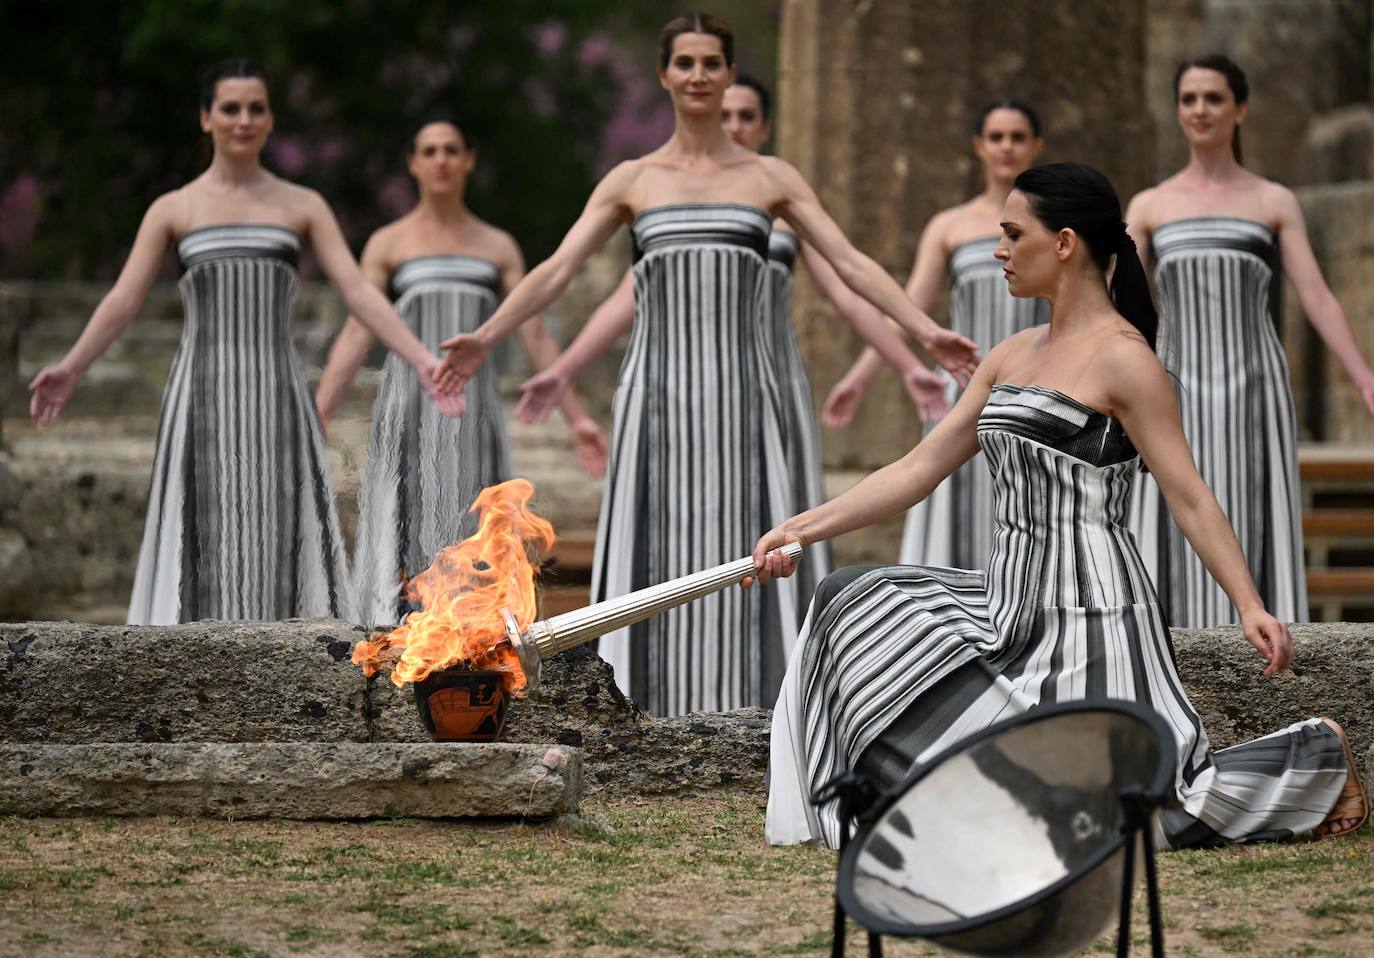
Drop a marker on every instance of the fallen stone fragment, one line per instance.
(341, 780)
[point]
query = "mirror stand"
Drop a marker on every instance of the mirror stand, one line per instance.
(856, 796)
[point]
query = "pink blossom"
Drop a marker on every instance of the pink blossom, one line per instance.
(19, 211)
(548, 37)
(595, 50)
(289, 154)
(397, 195)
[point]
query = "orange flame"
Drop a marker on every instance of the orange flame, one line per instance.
(462, 593)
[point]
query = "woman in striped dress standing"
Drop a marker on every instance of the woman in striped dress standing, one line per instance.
(696, 461)
(1216, 232)
(746, 116)
(447, 270)
(953, 527)
(900, 662)
(241, 521)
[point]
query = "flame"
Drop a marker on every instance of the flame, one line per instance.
(463, 592)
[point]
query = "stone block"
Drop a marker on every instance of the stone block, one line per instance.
(290, 780)
(63, 682)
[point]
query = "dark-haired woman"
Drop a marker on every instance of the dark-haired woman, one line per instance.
(696, 457)
(900, 662)
(447, 270)
(745, 114)
(953, 527)
(241, 521)
(1216, 232)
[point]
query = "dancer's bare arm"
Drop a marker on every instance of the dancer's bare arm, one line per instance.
(923, 286)
(1142, 397)
(800, 207)
(606, 212)
(354, 342)
(54, 384)
(611, 320)
(365, 301)
(896, 487)
(1323, 311)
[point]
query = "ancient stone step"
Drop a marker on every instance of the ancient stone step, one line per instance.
(293, 780)
(293, 682)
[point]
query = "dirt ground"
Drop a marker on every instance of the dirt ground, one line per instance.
(672, 877)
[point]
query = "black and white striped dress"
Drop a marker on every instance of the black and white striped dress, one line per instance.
(424, 469)
(897, 663)
(801, 437)
(697, 468)
(241, 521)
(1217, 336)
(953, 527)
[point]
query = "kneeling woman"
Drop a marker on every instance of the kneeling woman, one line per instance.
(897, 663)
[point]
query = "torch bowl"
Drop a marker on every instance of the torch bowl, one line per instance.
(462, 705)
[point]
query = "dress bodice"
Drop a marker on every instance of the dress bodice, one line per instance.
(1062, 476)
(782, 249)
(228, 241)
(746, 228)
(1211, 236)
(972, 260)
(238, 284)
(472, 274)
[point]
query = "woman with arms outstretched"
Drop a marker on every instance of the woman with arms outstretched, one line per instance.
(745, 114)
(241, 521)
(900, 662)
(697, 462)
(953, 527)
(447, 269)
(1216, 232)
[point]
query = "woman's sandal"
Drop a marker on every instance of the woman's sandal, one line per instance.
(1352, 804)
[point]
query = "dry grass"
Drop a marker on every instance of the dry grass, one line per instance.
(674, 877)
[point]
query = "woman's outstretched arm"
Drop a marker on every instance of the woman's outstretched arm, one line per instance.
(612, 319)
(354, 342)
(802, 209)
(927, 273)
(605, 213)
(1142, 398)
(366, 302)
(1318, 303)
(894, 488)
(54, 384)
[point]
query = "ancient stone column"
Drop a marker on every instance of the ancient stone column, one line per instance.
(876, 103)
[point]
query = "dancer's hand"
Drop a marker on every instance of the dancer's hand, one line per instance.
(449, 401)
(51, 389)
(1270, 638)
(956, 353)
(769, 560)
(539, 394)
(929, 391)
(466, 353)
(590, 443)
(843, 402)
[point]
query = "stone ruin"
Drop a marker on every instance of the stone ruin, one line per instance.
(272, 720)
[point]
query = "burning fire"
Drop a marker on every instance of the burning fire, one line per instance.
(462, 595)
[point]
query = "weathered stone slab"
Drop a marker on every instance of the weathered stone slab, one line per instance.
(292, 681)
(290, 780)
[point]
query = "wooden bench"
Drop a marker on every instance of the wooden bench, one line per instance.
(1338, 516)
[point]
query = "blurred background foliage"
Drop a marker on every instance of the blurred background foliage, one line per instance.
(98, 107)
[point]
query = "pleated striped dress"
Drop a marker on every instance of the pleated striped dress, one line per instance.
(896, 663)
(424, 469)
(697, 469)
(241, 521)
(801, 437)
(1217, 336)
(953, 527)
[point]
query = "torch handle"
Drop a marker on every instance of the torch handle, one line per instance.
(561, 632)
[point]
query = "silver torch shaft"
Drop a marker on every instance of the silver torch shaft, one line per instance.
(546, 637)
